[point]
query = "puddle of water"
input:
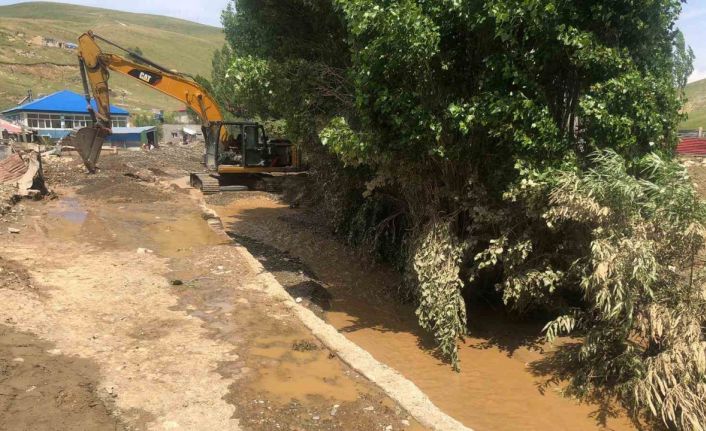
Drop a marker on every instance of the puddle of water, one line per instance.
(495, 389)
(179, 236)
(301, 375)
(168, 230)
(70, 210)
(287, 364)
(67, 219)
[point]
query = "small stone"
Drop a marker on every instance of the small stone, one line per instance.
(176, 282)
(54, 352)
(13, 230)
(18, 360)
(144, 251)
(298, 300)
(388, 428)
(334, 410)
(170, 425)
(369, 409)
(404, 422)
(31, 388)
(316, 418)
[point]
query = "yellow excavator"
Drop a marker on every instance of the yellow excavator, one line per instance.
(232, 148)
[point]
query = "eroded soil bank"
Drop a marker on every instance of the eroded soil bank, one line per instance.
(158, 318)
(501, 386)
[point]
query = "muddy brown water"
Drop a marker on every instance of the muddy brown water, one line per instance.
(496, 389)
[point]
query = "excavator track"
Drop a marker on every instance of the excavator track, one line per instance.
(272, 184)
(207, 183)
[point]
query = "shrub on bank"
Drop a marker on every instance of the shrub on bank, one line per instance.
(521, 146)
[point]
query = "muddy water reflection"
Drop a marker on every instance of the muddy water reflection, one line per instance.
(70, 210)
(292, 374)
(495, 390)
(164, 228)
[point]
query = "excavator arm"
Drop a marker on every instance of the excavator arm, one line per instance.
(95, 66)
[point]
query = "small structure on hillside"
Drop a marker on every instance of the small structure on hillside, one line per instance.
(51, 42)
(133, 137)
(56, 115)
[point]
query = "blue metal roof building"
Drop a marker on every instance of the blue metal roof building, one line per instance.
(57, 114)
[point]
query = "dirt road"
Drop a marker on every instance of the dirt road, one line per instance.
(123, 309)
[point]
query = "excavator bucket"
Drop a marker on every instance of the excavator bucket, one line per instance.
(88, 142)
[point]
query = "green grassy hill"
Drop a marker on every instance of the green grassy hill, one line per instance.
(696, 106)
(174, 43)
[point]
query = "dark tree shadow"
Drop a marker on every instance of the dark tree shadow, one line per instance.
(557, 368)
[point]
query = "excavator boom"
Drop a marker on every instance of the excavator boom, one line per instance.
(95, 66)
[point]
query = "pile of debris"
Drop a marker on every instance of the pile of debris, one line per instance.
(8, 198)
(20, 176)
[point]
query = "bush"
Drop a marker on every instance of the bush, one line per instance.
(644, 292)
(455, 139)
(624, 273)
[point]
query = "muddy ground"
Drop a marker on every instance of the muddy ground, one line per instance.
(123, 309)
(133, 309)
(40, 388)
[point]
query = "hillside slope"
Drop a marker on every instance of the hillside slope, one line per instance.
(696, 106)
(26, 64)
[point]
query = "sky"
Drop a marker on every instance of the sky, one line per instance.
(203, 11)
(692, 21)
(693, 24)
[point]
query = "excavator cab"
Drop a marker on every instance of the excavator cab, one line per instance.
(244, 147)
(240, 156)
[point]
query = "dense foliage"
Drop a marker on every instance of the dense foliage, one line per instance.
(644, 303)
(518, 145)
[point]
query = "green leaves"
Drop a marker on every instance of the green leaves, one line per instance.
(441, 309)
(520, 144)
(644, 296)
(339, 138)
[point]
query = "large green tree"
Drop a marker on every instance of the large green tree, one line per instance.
(470, 142)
